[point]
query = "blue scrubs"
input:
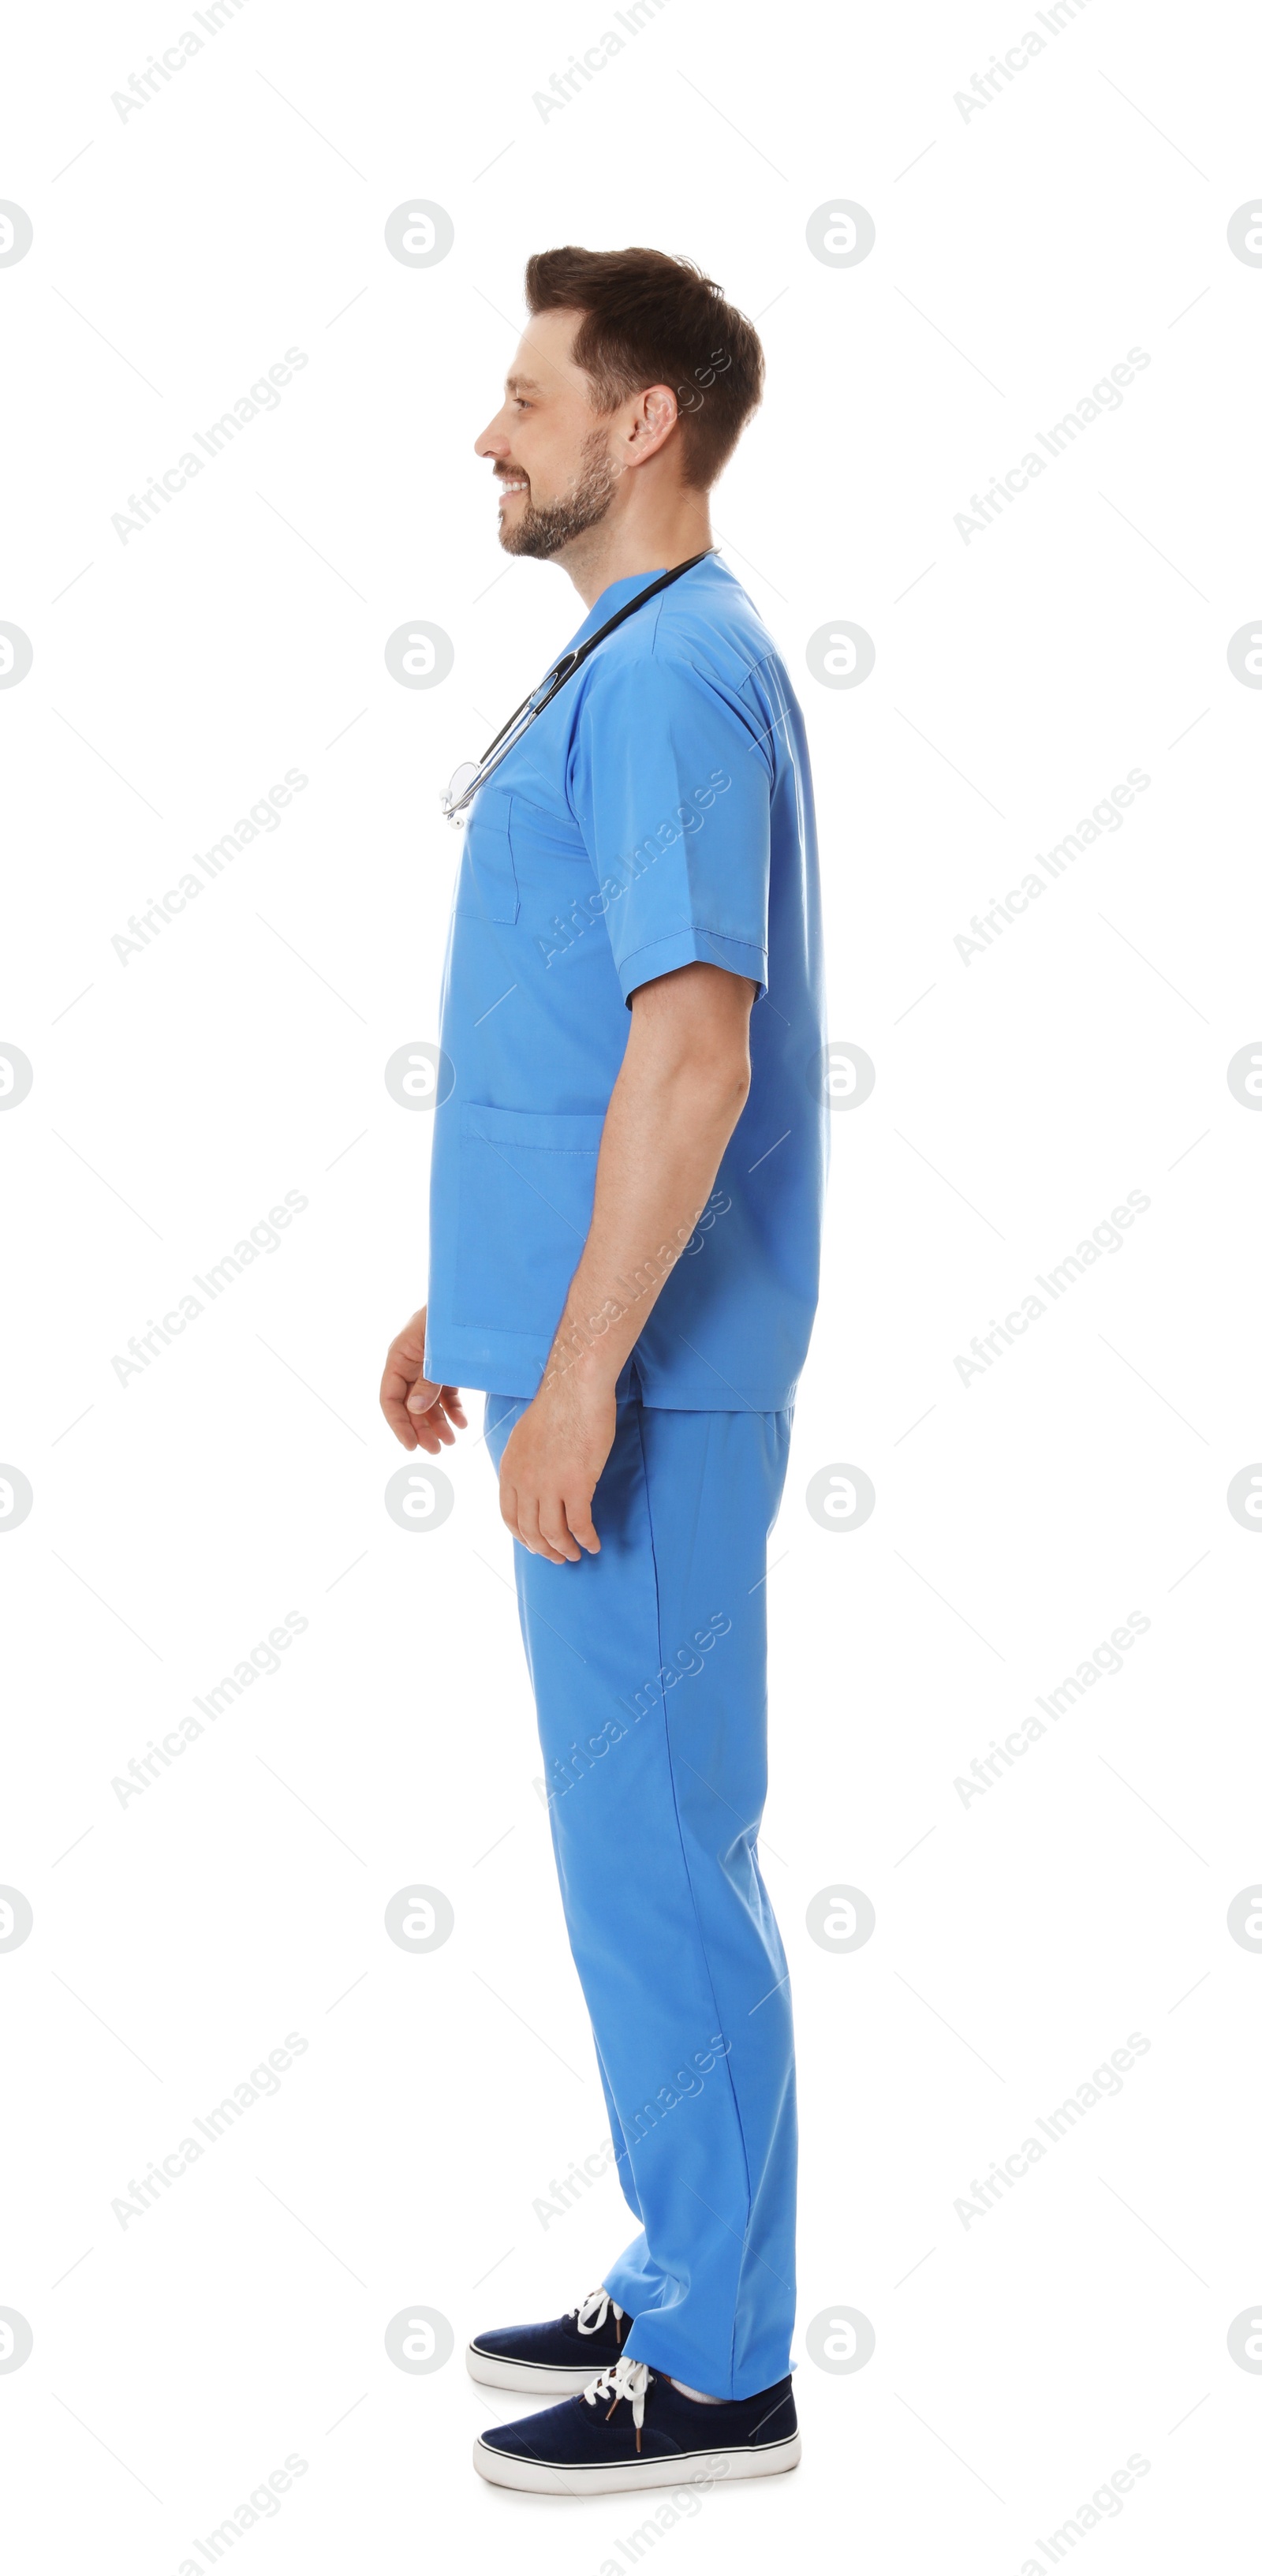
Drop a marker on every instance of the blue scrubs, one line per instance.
(660, 812)
(649, 1670)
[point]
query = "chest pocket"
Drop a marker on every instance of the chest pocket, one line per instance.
(488, 878)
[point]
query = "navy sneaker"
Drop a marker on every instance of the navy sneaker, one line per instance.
(634, 2428)
(553, 2360)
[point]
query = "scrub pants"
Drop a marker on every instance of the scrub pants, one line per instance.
(648, 1663)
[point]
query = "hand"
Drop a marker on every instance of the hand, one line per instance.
(420, 1414)
(552, 1463)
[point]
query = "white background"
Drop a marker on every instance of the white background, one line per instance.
(1020, 253)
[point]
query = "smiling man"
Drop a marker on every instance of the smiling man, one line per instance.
(625, 1217)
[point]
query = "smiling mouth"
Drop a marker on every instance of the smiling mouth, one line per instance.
(506, 490)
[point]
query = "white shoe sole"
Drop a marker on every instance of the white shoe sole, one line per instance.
(528, 2378)
(693, 2468)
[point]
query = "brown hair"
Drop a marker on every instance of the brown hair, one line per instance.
(647, 320)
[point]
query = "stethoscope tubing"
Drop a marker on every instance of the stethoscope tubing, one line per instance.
(553, 682)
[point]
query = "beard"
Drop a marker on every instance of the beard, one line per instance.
(541, 533)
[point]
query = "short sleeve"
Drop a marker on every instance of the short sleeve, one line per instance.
(673, 794)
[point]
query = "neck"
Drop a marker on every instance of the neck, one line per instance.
(608, 553)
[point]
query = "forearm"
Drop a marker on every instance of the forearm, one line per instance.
(670, 1117)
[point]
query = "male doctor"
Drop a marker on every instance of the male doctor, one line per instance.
(625, 1219)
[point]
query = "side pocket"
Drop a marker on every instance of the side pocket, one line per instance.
(527, 1181)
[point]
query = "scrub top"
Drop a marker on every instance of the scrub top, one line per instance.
(660, 811)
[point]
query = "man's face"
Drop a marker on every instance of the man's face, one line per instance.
(549, 447)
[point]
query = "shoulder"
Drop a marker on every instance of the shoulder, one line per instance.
(706, 623)
(703, 637)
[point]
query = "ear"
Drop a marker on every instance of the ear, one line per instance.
(652, 421)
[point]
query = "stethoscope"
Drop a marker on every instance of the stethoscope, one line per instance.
(471, 775)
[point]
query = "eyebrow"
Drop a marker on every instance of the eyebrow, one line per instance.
(520, 384)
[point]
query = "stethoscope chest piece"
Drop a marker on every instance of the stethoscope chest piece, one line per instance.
(458, 787)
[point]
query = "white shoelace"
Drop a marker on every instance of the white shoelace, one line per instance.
(592, 2311)
(627, 2378)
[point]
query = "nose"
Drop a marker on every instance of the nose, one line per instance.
(493, 441)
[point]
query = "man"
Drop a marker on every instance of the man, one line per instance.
(625, 1216)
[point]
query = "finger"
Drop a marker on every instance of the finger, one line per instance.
(453, 1405)
(399, 1419)
(552, 1527)
(400, 1426)
(529, 1531)
(420, 1427)
(578, 1513)
(399, 1380)
(405, 1358)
